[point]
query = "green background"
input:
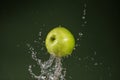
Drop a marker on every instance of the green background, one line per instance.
(21, 21)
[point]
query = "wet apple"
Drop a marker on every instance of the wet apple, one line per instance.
(60, 42)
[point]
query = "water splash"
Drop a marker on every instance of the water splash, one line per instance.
(84, 15)
(50, 69)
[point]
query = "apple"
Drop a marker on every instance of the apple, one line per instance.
(60, 42)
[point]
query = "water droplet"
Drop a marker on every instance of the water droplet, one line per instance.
(76, 45)
(95, 53)
(80, 34)
(95, 63)
(74, 48)
(79, 59)
(70, 77)
(35, 41)
(43, 41)
(43, 77)
(40, 33)
(78, 39)
(83, 17)
(85, 22)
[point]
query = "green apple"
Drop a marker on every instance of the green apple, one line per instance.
(60, 42)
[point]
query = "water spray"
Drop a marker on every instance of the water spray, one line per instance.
(59, 43)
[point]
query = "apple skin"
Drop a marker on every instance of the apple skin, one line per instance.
(60, 42)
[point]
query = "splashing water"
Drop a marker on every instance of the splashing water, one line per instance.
(84, 15)
(50, 69)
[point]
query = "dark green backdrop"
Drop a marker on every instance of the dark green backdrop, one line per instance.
(21, 21)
